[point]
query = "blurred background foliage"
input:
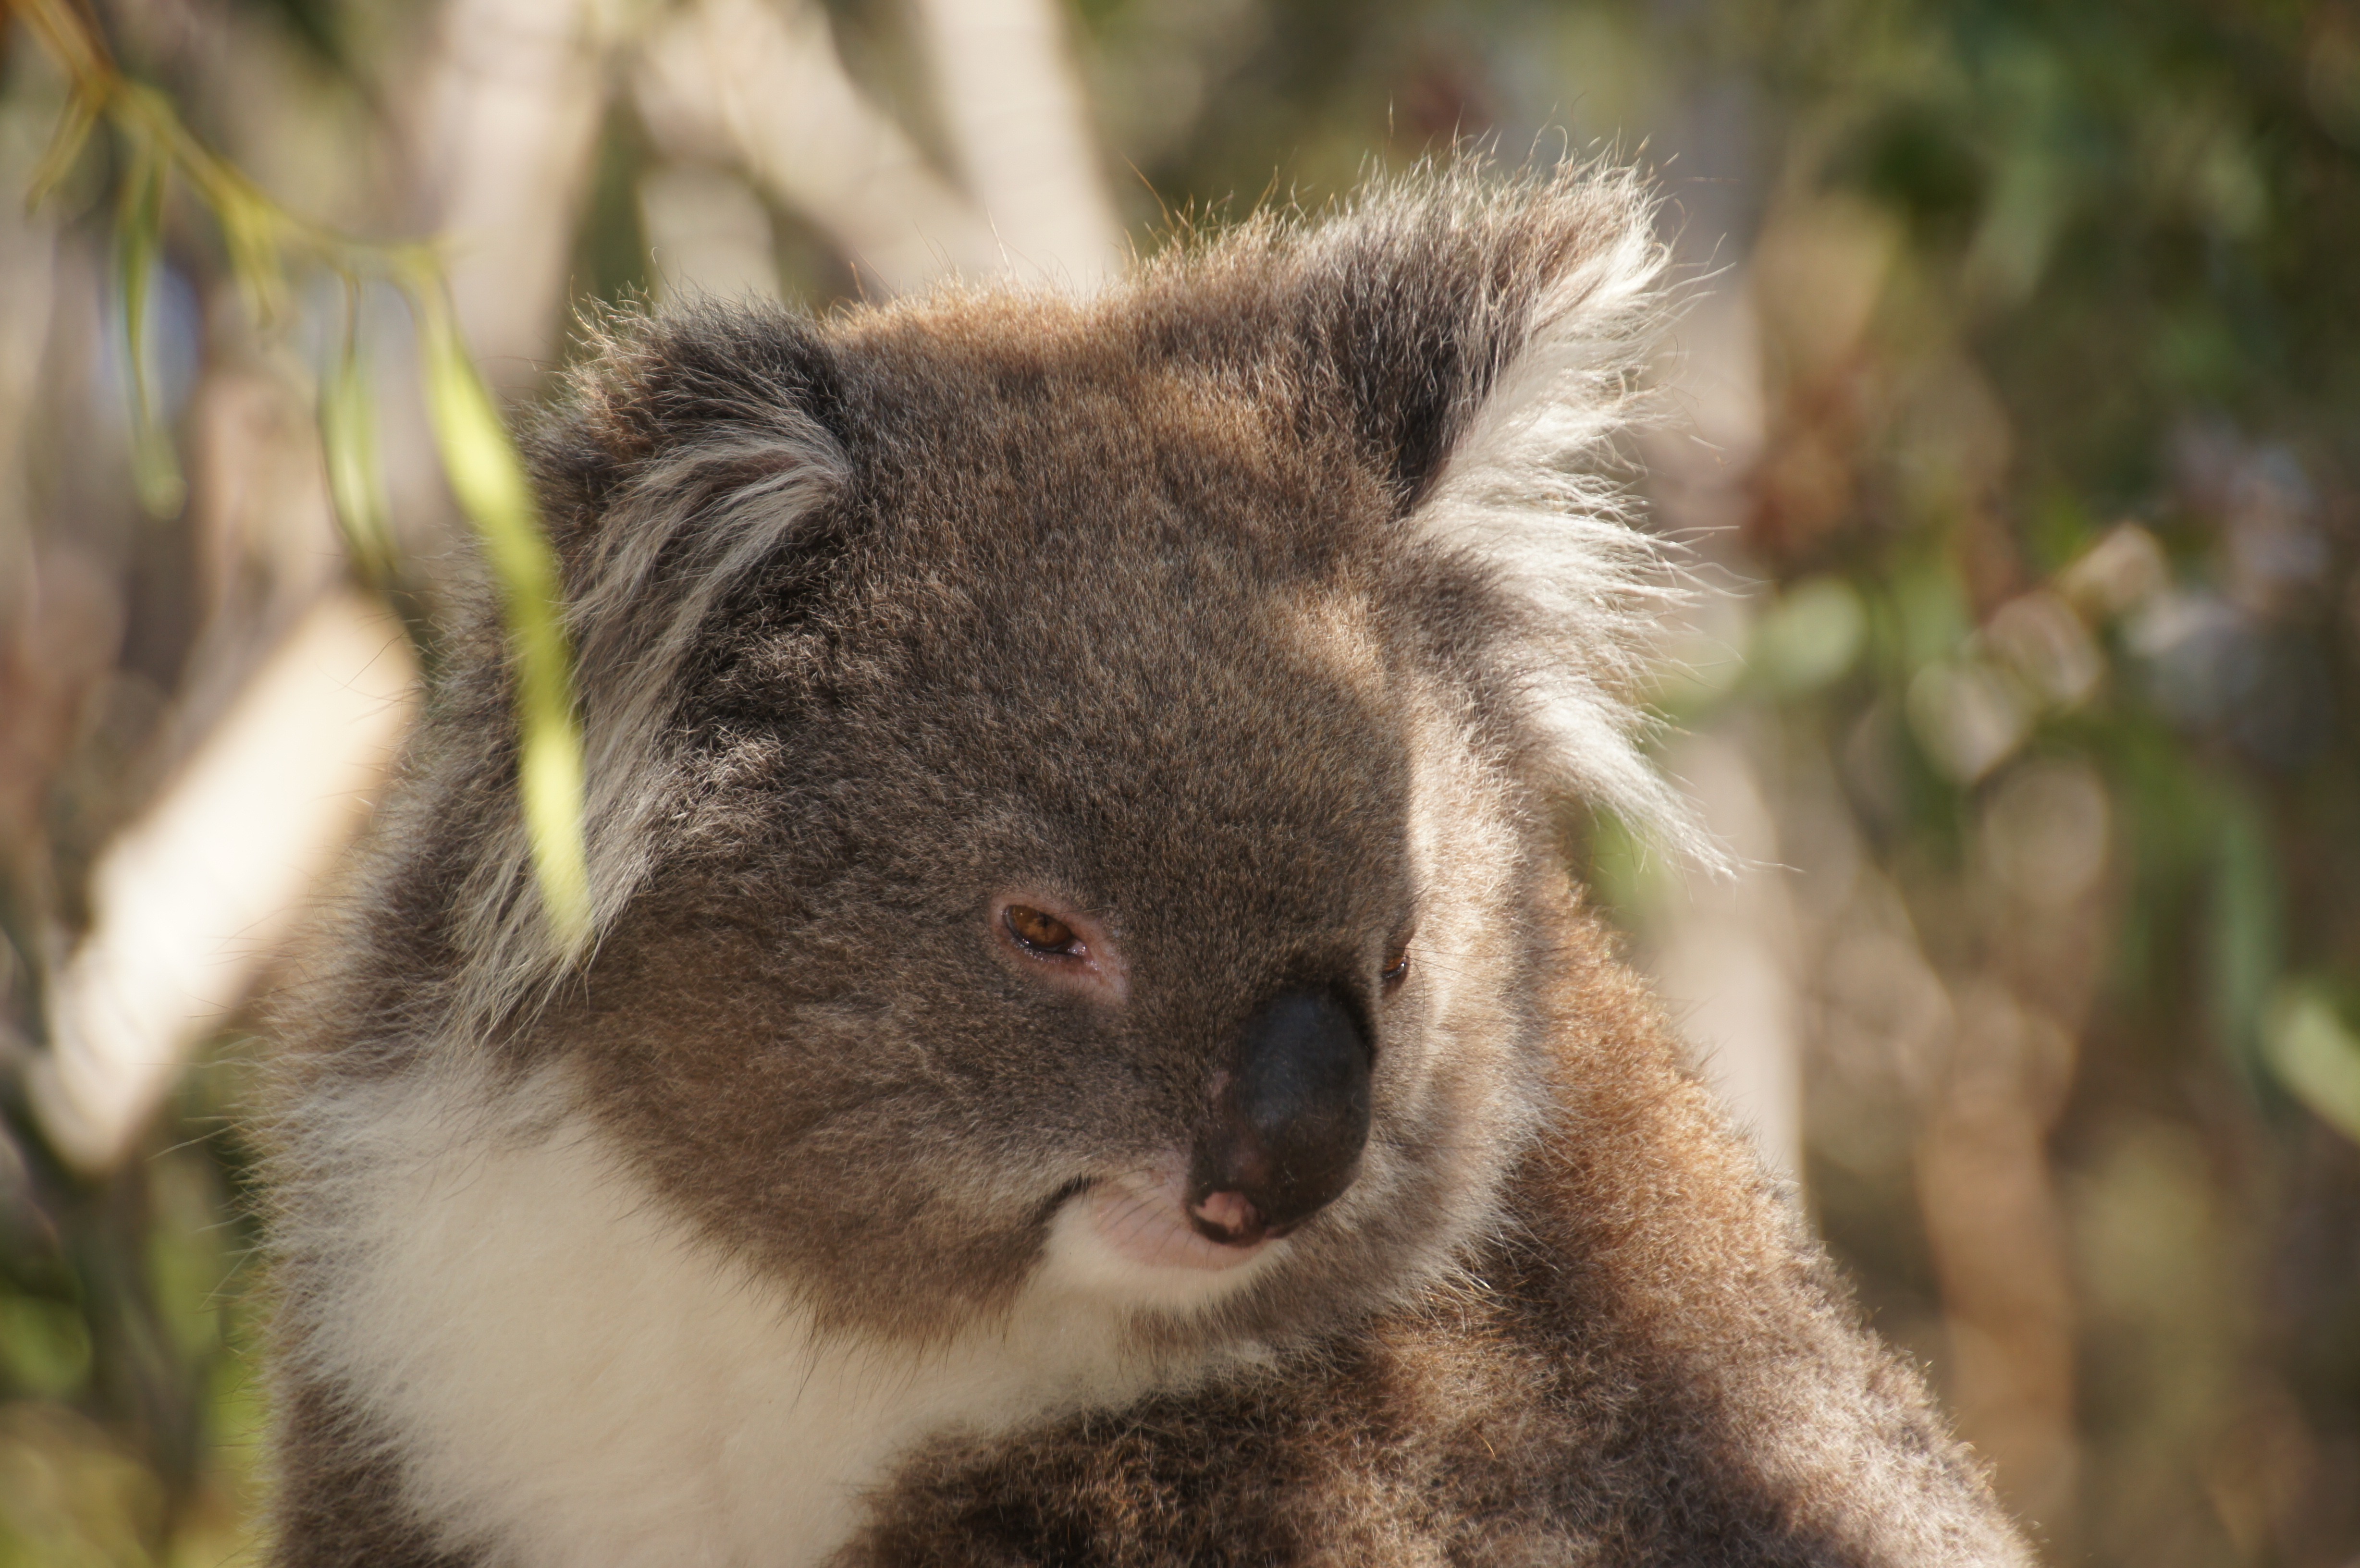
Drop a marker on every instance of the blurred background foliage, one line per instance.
(2015, 420)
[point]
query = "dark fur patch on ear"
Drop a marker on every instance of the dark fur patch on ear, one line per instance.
(1409, 305)
(1423, 294)
(755, 383)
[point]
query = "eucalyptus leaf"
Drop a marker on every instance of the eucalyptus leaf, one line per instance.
(249, 227)
(488, 477)
(139, 225)
(2245, 945)
(348, 437)
(66, 142)
(2316, 1055)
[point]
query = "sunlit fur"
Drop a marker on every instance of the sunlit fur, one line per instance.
(1255, 612)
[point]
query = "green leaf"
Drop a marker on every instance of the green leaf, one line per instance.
(2316, 1055)
(66, 142)
(250, 231)
(1811, 636)
(488, 478)
(355, 472)
(44, 1346)
(2246, 944)
(139, 226)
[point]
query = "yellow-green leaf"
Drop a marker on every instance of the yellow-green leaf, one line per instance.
(488, 476)
(139, 226)
(356, 474)
(249, 227)
(66, 142)
(2317, 1056)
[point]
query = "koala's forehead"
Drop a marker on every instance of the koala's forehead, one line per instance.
(981, 424)
(1118, 598)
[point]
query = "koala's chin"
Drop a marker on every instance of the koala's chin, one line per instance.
(1088, 1052)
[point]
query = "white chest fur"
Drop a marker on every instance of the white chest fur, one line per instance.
(573, 1377)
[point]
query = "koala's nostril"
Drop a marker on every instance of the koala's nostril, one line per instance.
(1288, 1124)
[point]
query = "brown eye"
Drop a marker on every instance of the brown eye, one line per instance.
(1044, 934)
(1397, 968)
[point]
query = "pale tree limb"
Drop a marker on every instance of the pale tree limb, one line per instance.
(707, 233)
(507, 130)
(194, 898)
(1726, 954)
(2000, 1237)
(1013, 102)
(762, 86)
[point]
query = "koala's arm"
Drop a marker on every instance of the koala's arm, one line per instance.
(1646, 1365)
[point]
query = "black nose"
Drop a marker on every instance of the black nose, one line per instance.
(1288, 1125)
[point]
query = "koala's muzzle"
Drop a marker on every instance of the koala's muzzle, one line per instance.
(1288, 1123)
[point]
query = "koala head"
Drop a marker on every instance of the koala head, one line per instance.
(1071, 776)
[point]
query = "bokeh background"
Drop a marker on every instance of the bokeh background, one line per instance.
(2013, 423)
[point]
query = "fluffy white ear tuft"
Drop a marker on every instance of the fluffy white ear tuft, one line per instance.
(1532, 484)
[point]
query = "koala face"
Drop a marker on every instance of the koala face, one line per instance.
(1067, 777)
(1099, 871)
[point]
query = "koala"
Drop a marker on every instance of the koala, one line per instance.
(1089, 1052)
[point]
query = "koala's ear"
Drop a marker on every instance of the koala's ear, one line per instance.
(704, 396)
(684, 448)
(1450, 302)
(690, 451)
(1484, 340)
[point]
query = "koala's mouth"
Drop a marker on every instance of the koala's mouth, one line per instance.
(1146, 1219)
(1284, 1125)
